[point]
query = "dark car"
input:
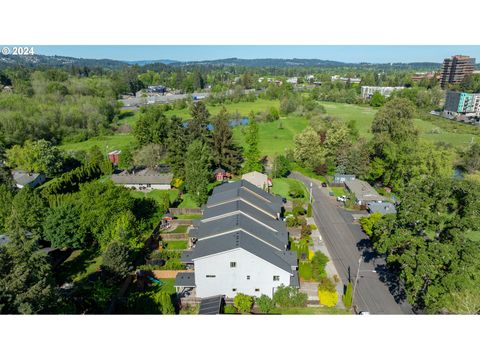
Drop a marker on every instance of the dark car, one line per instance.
(324, 184)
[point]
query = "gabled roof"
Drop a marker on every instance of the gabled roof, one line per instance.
(145, 176)
(382, 208)
(245, 196)
(363, 191)
(211, 305)
(277, 200)
(284, 260)
(185, 279)
(240, 222)
(235, 207)
(24, 177)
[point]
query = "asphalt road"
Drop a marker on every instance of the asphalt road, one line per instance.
(377, 291)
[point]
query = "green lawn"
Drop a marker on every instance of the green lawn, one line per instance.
(79, 265)
(281, 187)
(156, 195)
(338, 191)
(275, 137)
(176, 245)
(188, 216)
(474, 235)
(305, 270)
(363, 117)
(187, 202)
(180, 229)
(105, 143)
(311, 311)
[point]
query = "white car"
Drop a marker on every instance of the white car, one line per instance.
(342, 198)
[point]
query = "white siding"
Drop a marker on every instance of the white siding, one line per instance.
(227, 278)
(151, 187)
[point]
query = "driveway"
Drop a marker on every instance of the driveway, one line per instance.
(377, 290)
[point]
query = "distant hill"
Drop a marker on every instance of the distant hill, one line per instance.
(64, 61)
(149, 62)
(56, 61)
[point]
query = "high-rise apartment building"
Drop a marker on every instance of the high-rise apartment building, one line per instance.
(455, 68)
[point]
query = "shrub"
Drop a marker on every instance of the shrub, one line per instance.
(265, 303)
(319, 262)
(311, 254)
(292, 221)
(243, 302)
(313, 227)
(288, 296)
(305, 270)
(296, 190)
(348, 296)
(229, 309)
(305, 232)
(298, 210)
(309, 210)
(328, 298)
(368, 223)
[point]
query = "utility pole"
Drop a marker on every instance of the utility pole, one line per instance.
(356, 279)
(311, 186)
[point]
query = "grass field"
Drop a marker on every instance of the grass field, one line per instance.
(363, 117)
(187, 202)
(282, 186)
(79, 265)
(156, 195)
(275, 137)
(175, 245)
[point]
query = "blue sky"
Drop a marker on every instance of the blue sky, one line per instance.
(353, 53)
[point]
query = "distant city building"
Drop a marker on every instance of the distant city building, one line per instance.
(368, 91)
(425, 76)
(346, 79)
(455, 68)
(156, 89)
(462, 106)
(310, 78)
(292, 80)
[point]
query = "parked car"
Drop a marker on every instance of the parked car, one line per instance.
(342, 198)
(324, 184)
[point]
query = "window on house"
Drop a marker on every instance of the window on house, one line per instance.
(257, 290)
(276, 277)
(234, 289)
(248, 277)
(211, 276)
(233, 264)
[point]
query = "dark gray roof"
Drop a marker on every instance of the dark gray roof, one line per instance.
(186, 256)
(246, 196)
(283, 259)
(238, 206)
(211, 305)
(294, 281)
(276, 238)
(382, 208)
(277, 200)
(185, 279)
(24, 177)
(4, 239)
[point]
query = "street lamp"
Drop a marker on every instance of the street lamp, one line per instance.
(356, 277)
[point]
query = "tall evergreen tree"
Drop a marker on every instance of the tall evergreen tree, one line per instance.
(252, 153)
(197, 171)
(198, 125)
(177, 147)
(225, 153)
(152, 126)
(26, 281)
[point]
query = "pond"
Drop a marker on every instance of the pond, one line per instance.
(233, 123)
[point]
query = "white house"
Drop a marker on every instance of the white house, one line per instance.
(146, 179)
(238, 263)
(368, 91)
(239, 245)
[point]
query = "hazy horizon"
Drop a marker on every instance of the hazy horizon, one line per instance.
(340, 53)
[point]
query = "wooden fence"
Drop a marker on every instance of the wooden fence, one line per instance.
(185, 211)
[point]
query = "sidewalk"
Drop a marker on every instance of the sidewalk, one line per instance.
(319, 245)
